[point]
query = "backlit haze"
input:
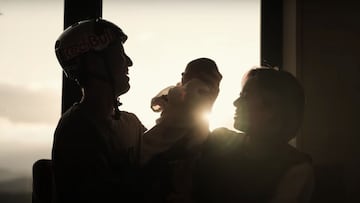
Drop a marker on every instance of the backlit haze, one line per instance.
(163, 37)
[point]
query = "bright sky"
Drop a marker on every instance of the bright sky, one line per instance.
(163, 37)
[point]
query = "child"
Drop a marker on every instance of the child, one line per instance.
(183, 105)
(199, 86)
(168, 156)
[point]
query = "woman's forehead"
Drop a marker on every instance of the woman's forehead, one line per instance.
(250, 84)
(253, 87)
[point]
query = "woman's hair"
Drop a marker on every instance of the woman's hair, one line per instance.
(286, 91)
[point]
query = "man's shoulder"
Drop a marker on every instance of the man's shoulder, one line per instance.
(74, 116)
(74, 113)
(131, 120)
(127, 116)
(73, 121)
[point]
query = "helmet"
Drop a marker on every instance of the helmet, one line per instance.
(83, 37)
(93, 35)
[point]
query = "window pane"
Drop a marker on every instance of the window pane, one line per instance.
(30, 87)
(165, 35)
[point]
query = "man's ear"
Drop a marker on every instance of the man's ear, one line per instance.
(95, 64)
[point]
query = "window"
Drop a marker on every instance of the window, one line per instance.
(163, 37)
(30, 88)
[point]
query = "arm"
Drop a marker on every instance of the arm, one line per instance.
(296, 186)
(159, 139)
(182, 118)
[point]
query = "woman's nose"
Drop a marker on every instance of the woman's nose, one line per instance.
(236, 102)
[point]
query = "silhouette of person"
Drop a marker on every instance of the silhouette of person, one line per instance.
(201, 75)
(257, 164)
(168, 156)
(96, 146)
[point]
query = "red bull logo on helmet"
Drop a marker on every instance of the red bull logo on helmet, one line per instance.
(87, 43)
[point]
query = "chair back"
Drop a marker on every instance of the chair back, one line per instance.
(42, 181)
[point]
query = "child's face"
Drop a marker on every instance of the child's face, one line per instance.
(254, 114)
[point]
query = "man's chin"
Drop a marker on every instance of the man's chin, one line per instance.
(124, 90)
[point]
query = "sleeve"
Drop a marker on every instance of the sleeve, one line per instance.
(296, 186)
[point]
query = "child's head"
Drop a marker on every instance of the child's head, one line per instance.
(203, 69)
(271, 105)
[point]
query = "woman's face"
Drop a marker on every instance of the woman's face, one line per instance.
(252, 115)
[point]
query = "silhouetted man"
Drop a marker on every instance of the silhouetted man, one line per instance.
(96, 145)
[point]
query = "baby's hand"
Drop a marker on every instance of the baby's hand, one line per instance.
(187, 103)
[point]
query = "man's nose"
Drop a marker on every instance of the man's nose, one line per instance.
(129, 61)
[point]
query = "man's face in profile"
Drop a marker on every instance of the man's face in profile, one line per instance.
(119, 63)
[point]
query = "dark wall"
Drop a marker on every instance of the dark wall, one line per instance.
(328, 41)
